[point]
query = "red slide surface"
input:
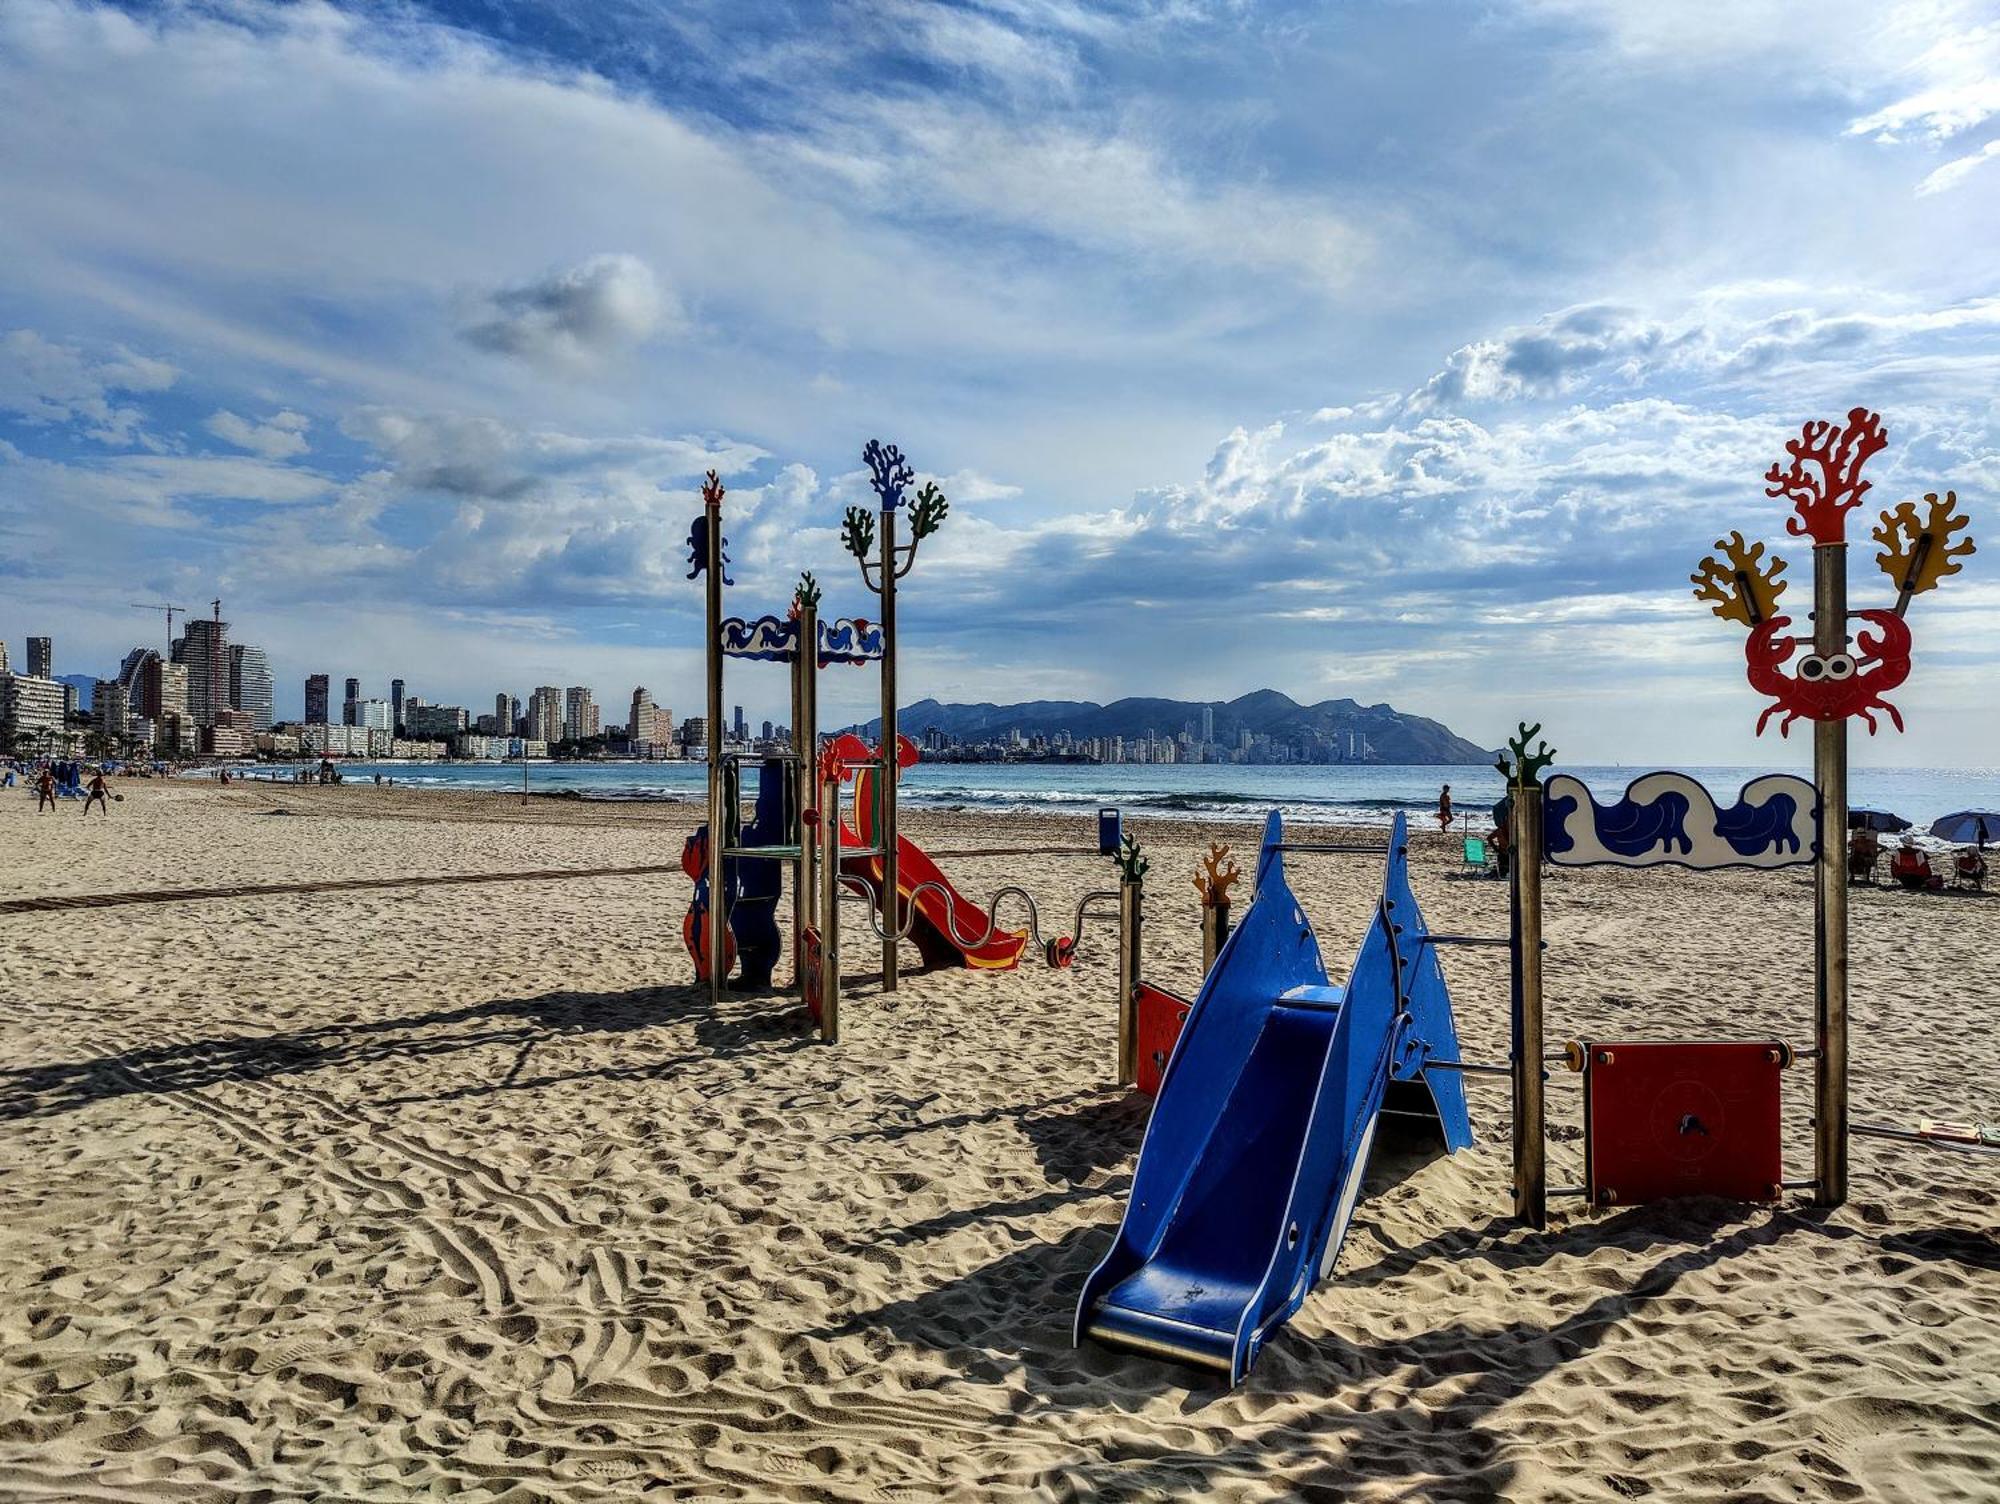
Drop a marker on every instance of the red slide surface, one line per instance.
(939, 913)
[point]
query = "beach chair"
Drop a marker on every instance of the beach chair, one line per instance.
(1911, 869)
(1969, 869)
(1862, 859)
(1478, 856)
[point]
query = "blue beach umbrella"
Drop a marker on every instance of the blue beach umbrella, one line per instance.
(1876, 819)
(1975, 825)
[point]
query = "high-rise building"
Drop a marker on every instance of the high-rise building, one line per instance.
(396, 703)
(580, 715)
(3, 656)
(250, 684)
(318, 690)
(1207, 725)
(205, 651)
(503, 716)
(373, 714)
(41, 657)
(33, 707)
(740, 729)
(545, 714)
(163, 700)
(435, 721)
(351, 699)
(694, 732)
(651, 728)
(110, 711)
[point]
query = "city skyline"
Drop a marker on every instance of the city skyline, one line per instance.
(1431, 391)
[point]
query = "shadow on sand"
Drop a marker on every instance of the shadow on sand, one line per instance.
(743, 1025)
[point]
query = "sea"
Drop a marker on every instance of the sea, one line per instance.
(1327, 795)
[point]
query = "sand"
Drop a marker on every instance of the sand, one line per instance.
(463, 1191)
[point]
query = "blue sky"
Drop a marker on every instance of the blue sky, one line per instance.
(1413, 352)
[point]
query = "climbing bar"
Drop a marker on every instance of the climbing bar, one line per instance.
(1468, 1068)
(1334, 848)
(1466, 940)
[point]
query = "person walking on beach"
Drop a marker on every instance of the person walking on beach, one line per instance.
(97, 794)
(45, 791)
(1444, 810)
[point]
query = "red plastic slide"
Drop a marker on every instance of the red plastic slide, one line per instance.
(941, 908)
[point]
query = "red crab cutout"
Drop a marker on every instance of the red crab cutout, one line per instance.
(1830, 688)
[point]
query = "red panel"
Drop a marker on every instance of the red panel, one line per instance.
(1161, 1015)
(1667, 1120)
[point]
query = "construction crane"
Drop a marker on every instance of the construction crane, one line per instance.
(172, 612)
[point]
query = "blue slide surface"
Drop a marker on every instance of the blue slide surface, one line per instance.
(1260, 1135)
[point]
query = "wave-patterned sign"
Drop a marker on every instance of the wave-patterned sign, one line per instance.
(774, 639)
(845, 641)
(1668, 819)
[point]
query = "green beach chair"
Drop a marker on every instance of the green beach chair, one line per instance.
(1478, 856)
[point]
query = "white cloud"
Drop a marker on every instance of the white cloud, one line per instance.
(577, 316)
(281, 436)
(47, 383)
(1958, 169)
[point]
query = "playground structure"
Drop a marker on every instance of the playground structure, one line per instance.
(797, 821)
(1261, 1130)
(1262, 1126)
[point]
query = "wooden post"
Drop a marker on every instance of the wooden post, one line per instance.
(892, 905)
(1131, 913)
(1214, 932)
(1531, 1181)
(718, 907)
(829, 910)
(1830, 1113)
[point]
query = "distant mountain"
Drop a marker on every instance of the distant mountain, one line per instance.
(1332, 729)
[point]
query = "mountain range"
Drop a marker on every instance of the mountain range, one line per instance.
(1391, 735)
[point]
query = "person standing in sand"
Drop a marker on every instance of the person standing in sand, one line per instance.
(97, 794)
(45, 791)
(1444, 810)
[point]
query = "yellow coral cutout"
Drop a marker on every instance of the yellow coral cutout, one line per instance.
(1744, 589)
(1905, 559)
(1213, 883)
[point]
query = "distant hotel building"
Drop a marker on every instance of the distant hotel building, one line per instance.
(205, 651)
(318, 695)
(373, 715)
(580, 717)
(650, 730)
(250, 684)
(353, 698)
(32, 706)
(441, 721)
(545, 714)
(41, 658)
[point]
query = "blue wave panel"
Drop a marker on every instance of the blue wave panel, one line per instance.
(1260, 1136)
(1669, 818)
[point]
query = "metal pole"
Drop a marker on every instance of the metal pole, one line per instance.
(718, 917)
(805, 741)
(1830, 892)
(892, 906)
(1131, 893)
(1531, 1179)
(829, 911)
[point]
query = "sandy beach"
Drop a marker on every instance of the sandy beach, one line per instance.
(463, 1190)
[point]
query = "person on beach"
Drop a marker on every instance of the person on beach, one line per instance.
(45, 790)
(97, 794)
(1444, 810)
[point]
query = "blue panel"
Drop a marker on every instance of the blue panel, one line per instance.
(1249, 1171)
(1110, 832)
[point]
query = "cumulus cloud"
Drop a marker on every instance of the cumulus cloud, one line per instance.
(47, 383)
(578, 315)
(279, 437)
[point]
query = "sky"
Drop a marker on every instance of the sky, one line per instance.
(1409, 352)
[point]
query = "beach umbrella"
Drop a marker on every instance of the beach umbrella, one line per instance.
(1876, 819)
(1976, 825)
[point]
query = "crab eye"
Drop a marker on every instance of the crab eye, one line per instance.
(1840, 666)
(1812, 668)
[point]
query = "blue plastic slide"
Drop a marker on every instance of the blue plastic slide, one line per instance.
(1260, 1135)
